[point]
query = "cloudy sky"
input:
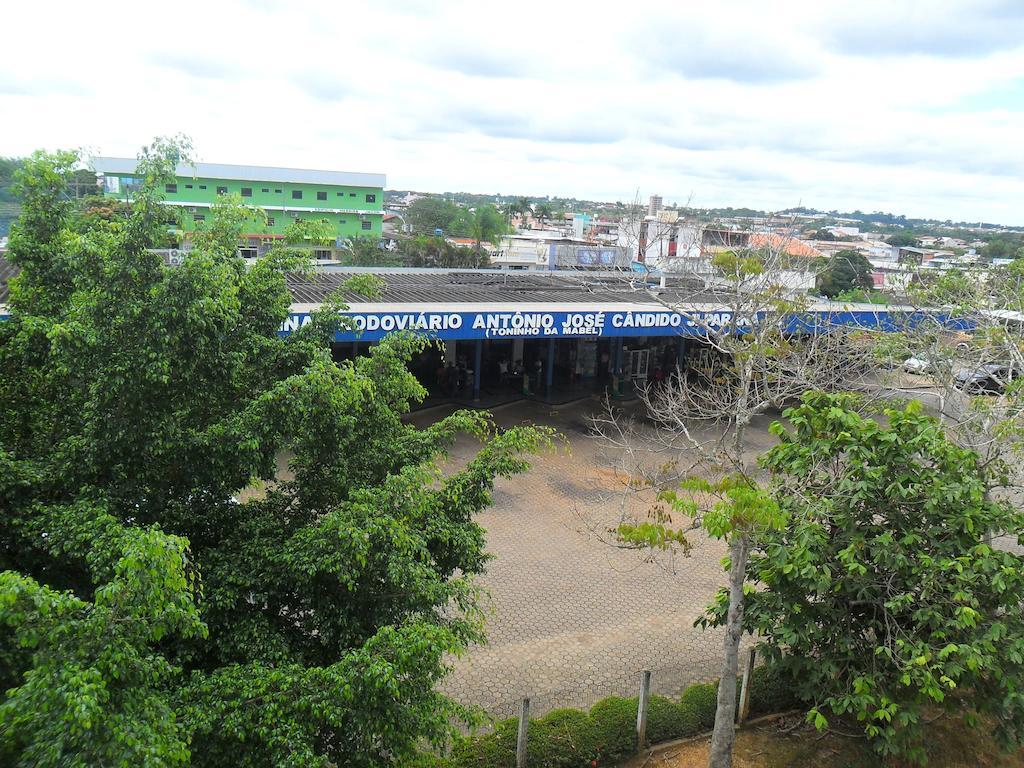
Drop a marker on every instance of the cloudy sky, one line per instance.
(907, 106)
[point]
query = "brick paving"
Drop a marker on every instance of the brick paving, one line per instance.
(572, 618)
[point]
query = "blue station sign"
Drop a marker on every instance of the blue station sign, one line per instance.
(374, 326)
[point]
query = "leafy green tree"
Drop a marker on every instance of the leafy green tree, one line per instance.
(544, 212)
(847, 270)
(423, 251)
(486, 225)
(147, 616)
(309, 232)
(81, 183)
(427, 214)
(1001, 248)
(519, 206)
(93, 693)
(369, 252)
(100, 206)
(9, 166)
(902, 239)
(881, 596)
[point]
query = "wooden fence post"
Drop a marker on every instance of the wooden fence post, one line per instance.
(641, 710)
(744, 708)
(524, 724)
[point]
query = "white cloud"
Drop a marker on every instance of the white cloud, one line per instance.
(910, 107)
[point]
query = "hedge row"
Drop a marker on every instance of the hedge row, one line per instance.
(570, 738)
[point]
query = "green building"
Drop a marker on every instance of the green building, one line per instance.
(353, 203)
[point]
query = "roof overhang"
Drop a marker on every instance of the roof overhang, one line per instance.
(127, 165)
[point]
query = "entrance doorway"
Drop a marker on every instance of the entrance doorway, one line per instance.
(639, 361)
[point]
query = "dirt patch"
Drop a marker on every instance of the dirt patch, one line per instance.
(786, 743)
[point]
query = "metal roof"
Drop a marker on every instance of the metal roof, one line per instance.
(249, 173)
(441, 286)
(424, 286)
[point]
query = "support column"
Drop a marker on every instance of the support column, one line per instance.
(744, 707)
(641, 710)
(549, 371)
(477, 359)
(522, 733)
(616, 354)
(517, 351)
(450, 352)
(681, 354)
(623, 362)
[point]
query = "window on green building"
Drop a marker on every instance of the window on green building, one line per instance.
(246, 191)
(222, 190)
(270, 221)
(351, 194)
(199, 217)
(341, 194)
(202, 186)
(321, 195)
(367, 225)
(371, 198)
(277, 191)
(188, 186)
(296, 194)
(171, 187)
(265, 189)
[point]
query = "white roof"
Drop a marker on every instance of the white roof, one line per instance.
(1004, 314)
(249, 173)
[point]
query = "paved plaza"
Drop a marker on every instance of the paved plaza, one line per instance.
(571, 617)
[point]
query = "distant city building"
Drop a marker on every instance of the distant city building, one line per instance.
(580, 224)
(352, 203)
(844, 231)
(554, 251)
(654, 206)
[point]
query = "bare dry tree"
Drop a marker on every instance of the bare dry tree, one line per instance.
(966, 361)
(761, 342)
(761, 345)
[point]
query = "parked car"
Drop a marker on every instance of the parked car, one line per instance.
(992, 378)
(917, 365)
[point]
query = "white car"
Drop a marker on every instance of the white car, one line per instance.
(916, 365)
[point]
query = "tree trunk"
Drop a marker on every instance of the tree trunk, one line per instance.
(725, 715)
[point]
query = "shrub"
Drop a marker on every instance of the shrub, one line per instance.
(698, 704)
(490, 750)
(666, 720)
(615, 721)
(771, 691)
(563, 738)
(428, 760)
(569, 738)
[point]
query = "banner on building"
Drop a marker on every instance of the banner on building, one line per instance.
(374, 326)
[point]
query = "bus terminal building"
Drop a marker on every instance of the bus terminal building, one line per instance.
(551, 335)
(555, 336)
